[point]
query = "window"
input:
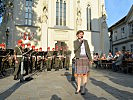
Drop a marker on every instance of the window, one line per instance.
(64, 20)
(131, 29)
(115, 35)
(61, 13)
(131, 47)
(57, 13)
(88, 12)
(28, 12)
(123, 32)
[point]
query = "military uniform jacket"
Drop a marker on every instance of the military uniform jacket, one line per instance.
(18, 50)
(58, 53)
(49, 54)
(67, 53)
(77, 49)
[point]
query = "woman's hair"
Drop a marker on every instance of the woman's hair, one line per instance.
(80, 31)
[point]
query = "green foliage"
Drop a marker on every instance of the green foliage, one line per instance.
(2, 8)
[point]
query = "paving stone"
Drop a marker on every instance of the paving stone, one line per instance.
(57, 85)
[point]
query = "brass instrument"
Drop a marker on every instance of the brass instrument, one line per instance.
(6, 57)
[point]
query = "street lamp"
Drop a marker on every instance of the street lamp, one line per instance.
(7, 34)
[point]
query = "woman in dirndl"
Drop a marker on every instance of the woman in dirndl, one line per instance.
(83, 60)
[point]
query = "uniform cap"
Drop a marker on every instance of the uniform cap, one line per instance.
(52, 49)
(19, 41)
(40, 48)
(3, 45)
(36, 49)
(29, 44)
(22, 45)
(33, 47)
(0, 45)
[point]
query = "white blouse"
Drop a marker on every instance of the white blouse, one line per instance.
(83, 49)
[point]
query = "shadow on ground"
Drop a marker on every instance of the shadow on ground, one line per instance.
(119, 94)
(55, 97)
(117, 77)
(12, 89)
(87, 96)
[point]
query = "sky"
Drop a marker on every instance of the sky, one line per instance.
(116, 10)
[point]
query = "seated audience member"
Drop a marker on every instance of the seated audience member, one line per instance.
(95, 59)
(118, 62)
(103, 57)
(110, 56)
(125, 55)
(132, 56)
(116, 55)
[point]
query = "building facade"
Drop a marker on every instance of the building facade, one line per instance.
(122, 33)
(44, 22)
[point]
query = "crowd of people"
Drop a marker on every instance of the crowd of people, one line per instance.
(115, 61)
(32, 58)
(35, 59)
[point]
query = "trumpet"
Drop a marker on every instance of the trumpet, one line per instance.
(6, 57)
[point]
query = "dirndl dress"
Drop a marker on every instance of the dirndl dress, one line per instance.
(82, 66)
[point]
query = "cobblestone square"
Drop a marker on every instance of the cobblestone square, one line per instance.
(57, 85)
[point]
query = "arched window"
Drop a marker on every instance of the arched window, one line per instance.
(61, 13)
(88, 12)
(64, 13)
(28, 12)
(57, 12)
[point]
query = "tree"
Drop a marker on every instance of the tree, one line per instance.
(2, 8)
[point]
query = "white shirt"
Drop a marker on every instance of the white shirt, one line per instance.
(109, 57)
(83, 49)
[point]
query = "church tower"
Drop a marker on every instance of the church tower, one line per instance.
(47, 22)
